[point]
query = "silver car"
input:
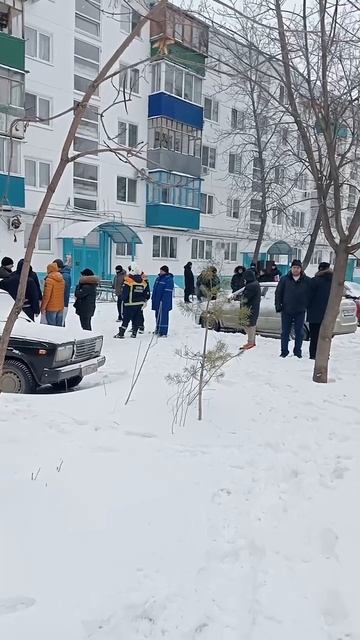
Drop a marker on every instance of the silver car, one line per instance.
(269, 322)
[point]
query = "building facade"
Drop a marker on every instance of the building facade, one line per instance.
(174, 199)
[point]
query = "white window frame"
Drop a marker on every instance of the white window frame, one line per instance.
(229, 254)
(214, 109)
(174, 239)
(127, 18)
(317, 257)
(256, 213)
(201, 249)
(40, 33)
(82, 134)
(237, 160)
(28, 227)
(127, 133)
(86, 75)
(90, 19)
(298, 219)
(185, 73)
(237, 119)
(211, 164)
(38, 98)
(233, 208)
(127, 201)
(83, 196)
(128, 253)
(37, 162)
(207, 197)
(127, 73)
(277, 216)
(279, 174)
(5, 156)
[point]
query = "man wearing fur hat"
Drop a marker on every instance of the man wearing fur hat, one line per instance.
(135, 293)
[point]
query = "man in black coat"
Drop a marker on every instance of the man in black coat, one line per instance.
(252, 296)
(189, 282)
(6, 268)
(291, 300)
(31, 304)
(85, 298)
(319, 296)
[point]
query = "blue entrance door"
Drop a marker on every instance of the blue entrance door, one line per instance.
(89, 253)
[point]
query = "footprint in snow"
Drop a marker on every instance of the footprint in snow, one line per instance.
(14, 605)
(220, 496)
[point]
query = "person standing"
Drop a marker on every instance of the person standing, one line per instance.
(252, 296)
(135, 294)
(320, 287)
(162, 300)
(238, 280)
(291, 300)
(85, 298)
(65, 270)
(189, 282)
(7, 265)
(208, 284)
(52, 304)
(141, 328)
(31, 303)
(118, 285)
(275, 273)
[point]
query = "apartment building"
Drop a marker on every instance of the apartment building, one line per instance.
(175, 200)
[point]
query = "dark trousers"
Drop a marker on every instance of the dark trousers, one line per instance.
(314, 337)
(187, 294)
(162, 321)
(132, 313)
(120, 308)
(85, 322)
(141, 320)
(287, 320)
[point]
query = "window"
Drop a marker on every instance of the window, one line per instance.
(182, 84)
(296, 253)
(208, 157)
(126, 189)
(127, 134)
(174, 136)
(237, 119)
(201, 249)
(316, 257)
(302, 181)
(38, 45)
(279, 175)
(37, 173)
(129, 18)
(5, 153)
(283, 96)
(332, 256)
(211, 109)
(86, 65)
(43, 242)
(38, 107)
(298, 219)
(87, 135)
(87, 16)
(353, 197)
(230, 252)
(206, 204)
(156, 77)
(174, 189)
(85, 185)
(164, 247)
(277, 216)
(125, 249)
(129, 79)
(233, 208)
(235, 163)
(11, 88)
(255, 214)
(256, 178)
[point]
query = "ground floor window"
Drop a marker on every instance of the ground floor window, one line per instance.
(201, 249)
(125, 249)
(43, 242)
(164, 247)
(230, 251)
(316, 257)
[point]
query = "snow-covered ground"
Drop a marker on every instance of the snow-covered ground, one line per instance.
(242, 527)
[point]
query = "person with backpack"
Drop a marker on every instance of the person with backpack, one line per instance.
(135, 294)
(85, 298)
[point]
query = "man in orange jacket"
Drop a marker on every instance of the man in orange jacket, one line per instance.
(52, 303)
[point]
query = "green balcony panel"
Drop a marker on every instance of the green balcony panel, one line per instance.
(169, 216)
(12, 52)
(12, 191)
(179, 55)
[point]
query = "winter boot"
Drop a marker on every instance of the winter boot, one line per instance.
(121, 333)
(141, 330)
(134, 333)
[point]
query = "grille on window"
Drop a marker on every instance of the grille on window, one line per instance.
(85, 349)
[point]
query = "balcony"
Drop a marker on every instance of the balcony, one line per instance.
(170, 216)
(176, 25)
(12, 191)
(164, 104)
(174, 161)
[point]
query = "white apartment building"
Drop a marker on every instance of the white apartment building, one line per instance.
(174, 203)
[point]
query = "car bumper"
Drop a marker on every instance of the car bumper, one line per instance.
(72, 371)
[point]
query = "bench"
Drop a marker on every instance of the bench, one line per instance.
(105, 291)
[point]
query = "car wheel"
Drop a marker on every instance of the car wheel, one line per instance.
(212, 323)
(16, 378)
(64, 385)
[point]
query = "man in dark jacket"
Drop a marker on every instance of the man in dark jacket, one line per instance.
(252, 296)
(238, 280)
(31, 304)
(189, 282)
(85, 298)
(291, 300)
(135, 293)
(6, 268)
(208, 284)
(320, 287)
(118, 285)
(65, 270)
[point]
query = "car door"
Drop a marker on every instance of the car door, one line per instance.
(269, 322)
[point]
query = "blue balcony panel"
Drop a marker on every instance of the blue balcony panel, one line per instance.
(12, 191)
(164, 104)
(169, 216)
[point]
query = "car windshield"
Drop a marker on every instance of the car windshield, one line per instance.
(6, 304)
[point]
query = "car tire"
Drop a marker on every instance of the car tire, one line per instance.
(64, 385)
(212, 323)
(16, 378)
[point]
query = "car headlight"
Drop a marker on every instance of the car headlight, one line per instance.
(64, 353)
(98, 344)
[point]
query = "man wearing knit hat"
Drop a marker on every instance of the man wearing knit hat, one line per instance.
(291, 300)
(6, 268)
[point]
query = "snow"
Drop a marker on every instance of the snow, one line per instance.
(242, 527)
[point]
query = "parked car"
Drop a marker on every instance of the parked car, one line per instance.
(269, 322)
(352, 291)
(40, 354)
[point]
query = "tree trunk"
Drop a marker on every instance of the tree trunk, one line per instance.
(313, 239)
(327, 327)
(259, 239)
(202, 365)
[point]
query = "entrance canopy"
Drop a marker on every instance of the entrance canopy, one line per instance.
(279, 248)
(117, 231)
